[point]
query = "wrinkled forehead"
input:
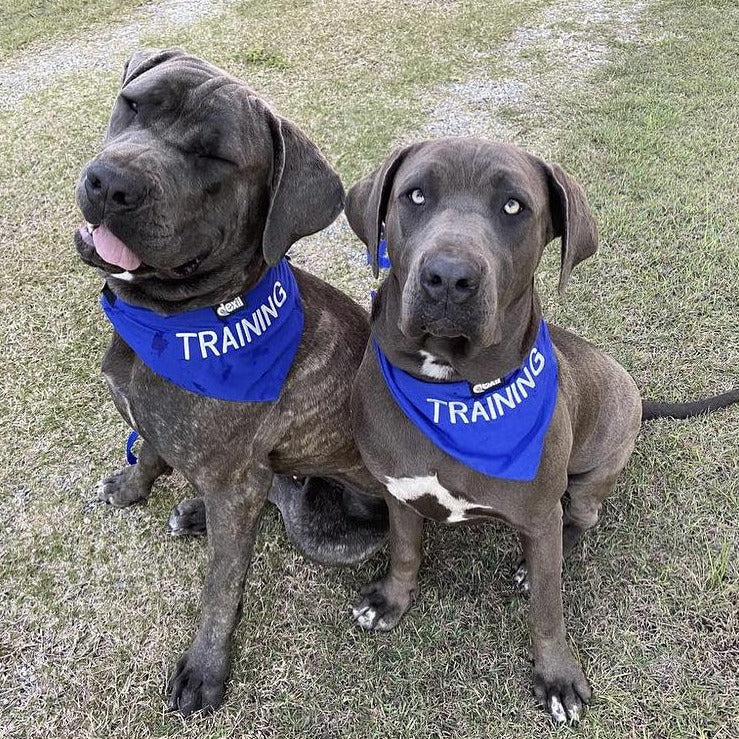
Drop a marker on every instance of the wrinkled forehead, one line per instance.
(179, 82)
(469, 165)
(196, 105)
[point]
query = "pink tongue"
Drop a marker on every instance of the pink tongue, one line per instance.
(113, 250)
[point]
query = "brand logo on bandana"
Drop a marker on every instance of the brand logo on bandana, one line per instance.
(496, 428)
(483, 386)
(226, 309)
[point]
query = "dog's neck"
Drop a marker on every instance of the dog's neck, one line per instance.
(475, 365)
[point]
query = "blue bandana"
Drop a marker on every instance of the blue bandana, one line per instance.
(383, 258)
(240, 350)
(498, 430)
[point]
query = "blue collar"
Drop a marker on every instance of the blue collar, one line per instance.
(499, 431)
(241, 350)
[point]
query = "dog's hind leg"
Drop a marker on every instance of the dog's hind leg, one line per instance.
(586, 492)
(330, 521)
(133, 483)
(187, 518)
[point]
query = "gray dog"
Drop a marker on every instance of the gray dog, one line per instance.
(466, 406)
(232, 365)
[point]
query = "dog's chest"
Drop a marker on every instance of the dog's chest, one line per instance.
(431, 499)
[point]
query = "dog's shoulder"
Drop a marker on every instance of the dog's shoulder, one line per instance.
(332, 318)
(581, 356)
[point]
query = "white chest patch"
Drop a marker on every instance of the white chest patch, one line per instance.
(433, 367)
(408, 489)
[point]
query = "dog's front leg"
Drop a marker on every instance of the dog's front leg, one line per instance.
(233, 514)
(559, 682)
(384, 602)
(133, 482)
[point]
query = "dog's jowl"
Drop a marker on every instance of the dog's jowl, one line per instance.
(234, 366)
(468, 404)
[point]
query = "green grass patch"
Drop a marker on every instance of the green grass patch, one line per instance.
(263, 58)
(27, 22)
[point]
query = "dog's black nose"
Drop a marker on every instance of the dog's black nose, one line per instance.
(106, 186)
(444, 277)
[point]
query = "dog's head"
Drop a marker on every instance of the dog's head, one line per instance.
(466, 222)
(199, 183)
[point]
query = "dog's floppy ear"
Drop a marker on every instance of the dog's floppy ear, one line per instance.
(572, 220)
(366, 203)
(306, 195)
(145, 59)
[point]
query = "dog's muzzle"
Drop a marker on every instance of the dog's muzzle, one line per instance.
(444, 298)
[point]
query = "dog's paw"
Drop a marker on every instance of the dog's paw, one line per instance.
(521, 577)
(194, 687)
(122, 488)
(382, 606)
(564, 695)
(187, 518)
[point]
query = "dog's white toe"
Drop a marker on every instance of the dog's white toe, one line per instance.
(573, 711)
(557, 710)
(521, 577)
(365, 617)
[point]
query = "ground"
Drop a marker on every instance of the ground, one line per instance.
(638, 100)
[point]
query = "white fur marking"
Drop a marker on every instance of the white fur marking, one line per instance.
(557, 710)
(129, 412)
(125, 276)
(365, 617)
(113, 390)
(411, 488)
(431, 368)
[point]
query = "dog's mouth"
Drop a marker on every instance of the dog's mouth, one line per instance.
(422, 329)
(444, 328)
(442, 337)
(113, 252)
(188, 268)
(448, 348)
(109, 247)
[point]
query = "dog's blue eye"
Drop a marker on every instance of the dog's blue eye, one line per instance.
(512, 207)
(417, 197)
(132, 104)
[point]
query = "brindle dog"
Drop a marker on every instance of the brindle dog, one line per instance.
(199, 187)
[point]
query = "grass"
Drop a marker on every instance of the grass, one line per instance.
(97, 604)
(26, 22)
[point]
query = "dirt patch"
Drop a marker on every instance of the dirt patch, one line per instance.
(542, 61)
(36, 68)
